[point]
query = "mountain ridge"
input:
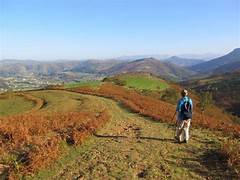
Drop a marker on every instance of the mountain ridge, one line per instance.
(151, 65)
(222, 62)
(183, 62)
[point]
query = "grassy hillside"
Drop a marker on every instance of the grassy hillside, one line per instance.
(135, 147)
(13, 104)
(224, 89)
(32, 140)
(82, 84)
(139, 81)
(86, 136)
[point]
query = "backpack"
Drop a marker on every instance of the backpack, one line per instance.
(186, 110)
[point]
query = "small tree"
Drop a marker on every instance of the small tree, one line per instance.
(169, 95)
(206, 99)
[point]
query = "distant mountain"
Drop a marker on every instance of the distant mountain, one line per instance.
(20, 68)
(26, 67)
(184, 62)
(95, 66)
(230, 67)
(150, 65)
(223, 64)
(69, 71)
(205, 57)
(3, 84)
(136, 57)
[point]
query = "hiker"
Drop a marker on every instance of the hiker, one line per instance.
(184, 116)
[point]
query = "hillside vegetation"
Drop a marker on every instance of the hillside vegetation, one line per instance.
(138, 81)
(224, 89)
(114, 132)
(130, 146)
(83, 83)
(13, 104)
(32, 140)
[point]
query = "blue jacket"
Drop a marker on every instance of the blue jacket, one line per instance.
(179, 105)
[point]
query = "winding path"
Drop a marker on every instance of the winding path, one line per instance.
(131, 147)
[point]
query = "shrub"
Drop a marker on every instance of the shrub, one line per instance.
(231, 150)
(159, 110)
(33, 139)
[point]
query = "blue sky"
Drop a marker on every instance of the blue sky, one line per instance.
(78, 29)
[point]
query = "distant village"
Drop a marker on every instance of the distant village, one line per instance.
(23, 83)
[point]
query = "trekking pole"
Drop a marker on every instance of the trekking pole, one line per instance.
(174, 115)
(175, 122)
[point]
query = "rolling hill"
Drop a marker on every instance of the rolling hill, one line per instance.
(165, 70)
(95, 66)
(95, 133)
(184, 62)
(21, 67)
(223, 64)
(25, 67)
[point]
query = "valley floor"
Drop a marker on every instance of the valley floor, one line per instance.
(130, 146)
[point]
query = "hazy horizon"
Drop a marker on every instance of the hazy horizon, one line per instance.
(60, 29)
(205, 56)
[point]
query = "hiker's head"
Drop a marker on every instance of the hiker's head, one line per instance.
(184, 92)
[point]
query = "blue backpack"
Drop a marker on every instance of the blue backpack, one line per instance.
(186, 110)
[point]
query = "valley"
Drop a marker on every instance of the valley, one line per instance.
(114, 120)
(119, 90)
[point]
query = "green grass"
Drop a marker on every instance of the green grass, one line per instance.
(144, 82)
(82, 84)
(56, 100)
(12, 104)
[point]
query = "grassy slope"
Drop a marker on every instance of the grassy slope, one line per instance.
(167, 92)
(56, 101)
(13, 104)
(143, 82)
(59, 100)
(130, 146)
(84, 83)
(136, 81)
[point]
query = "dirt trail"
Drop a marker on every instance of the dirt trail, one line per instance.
(134, 147)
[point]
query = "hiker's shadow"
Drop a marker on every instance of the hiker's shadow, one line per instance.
(137, 137)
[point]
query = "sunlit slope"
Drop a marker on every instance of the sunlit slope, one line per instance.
(65, 101)
(139, 81)
(11, 104)
(130, 147)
